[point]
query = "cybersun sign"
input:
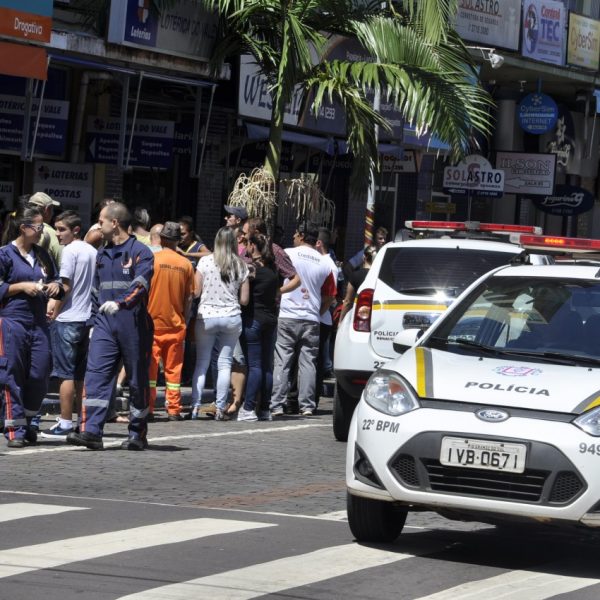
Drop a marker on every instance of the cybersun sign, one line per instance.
(474, 175)
(537, 113)
(566, 201)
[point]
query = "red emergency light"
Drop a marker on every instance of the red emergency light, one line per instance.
(563, 244)
(472, 226)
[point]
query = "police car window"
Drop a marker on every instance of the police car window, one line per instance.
(539, 315)
(425, 271)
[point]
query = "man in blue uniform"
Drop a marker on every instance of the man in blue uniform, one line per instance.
(122, 330)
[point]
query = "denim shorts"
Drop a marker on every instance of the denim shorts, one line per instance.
(69, 349)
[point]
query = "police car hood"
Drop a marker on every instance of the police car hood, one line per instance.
(441, 375)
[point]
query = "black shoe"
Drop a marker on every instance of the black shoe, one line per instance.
(134, 442)
(19, 443)
(89, 440)
(31, 435)
(150, 418)
(176, 417)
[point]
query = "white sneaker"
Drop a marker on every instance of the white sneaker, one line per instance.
(246, 415)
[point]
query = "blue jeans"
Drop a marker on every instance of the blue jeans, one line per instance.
(70, 343)
(257, 342)
(223, 333)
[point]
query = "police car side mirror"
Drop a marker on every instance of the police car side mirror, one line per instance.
(406, 339)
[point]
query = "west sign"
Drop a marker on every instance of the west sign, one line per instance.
(474, 175)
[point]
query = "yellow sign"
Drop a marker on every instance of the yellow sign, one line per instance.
(583, 49)
(448, 208)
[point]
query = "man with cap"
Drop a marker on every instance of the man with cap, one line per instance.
(169, 305)
(49, 239)
(235, 216)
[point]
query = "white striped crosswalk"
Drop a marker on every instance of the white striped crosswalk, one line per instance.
(297, 566)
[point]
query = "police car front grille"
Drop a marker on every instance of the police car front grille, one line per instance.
(405, 468)
(522, 487)
(566, 486)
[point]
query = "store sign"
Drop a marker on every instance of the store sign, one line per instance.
(566, 201)
(184, 29)
(70, 184)
(544, 23)
(490, 22)
(52, 129)
(537, 113)
(583, 49)
(474, 175)
(399, 164)
(152, 144)
(7, 194)
(527, 174)
(27, 20)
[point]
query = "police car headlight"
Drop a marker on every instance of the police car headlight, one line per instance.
(589, 422)
(390, 394)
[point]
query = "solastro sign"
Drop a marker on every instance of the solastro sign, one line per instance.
(183, 29)
(566, 201)
(474, 175)
(28, 20)
(527, 174)
(538, 113)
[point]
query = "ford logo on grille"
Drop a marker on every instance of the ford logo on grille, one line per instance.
(493, 415)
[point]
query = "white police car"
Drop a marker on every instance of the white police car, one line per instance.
(409, 285)
(494, 414)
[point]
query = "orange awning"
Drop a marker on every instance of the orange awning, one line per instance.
(20, 60)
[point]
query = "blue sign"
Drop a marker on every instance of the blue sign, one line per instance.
(544, 31)
(537, 113)
(52, 129)
(567, 200)
(152, 144)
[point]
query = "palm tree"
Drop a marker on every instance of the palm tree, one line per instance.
(420, 64)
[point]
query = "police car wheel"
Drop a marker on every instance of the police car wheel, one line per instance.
(374, 521)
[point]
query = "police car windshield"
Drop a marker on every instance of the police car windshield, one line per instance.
(538, 318)
(428, 271)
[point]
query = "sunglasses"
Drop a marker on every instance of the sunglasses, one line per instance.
(35, 226)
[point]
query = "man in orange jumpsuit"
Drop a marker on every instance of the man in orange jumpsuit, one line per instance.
(169, 305)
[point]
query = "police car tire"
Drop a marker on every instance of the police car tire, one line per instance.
(343, 409)
(374, 521)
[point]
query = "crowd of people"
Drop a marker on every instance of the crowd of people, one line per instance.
(109, 308)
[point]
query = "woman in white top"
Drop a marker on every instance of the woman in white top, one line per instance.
(222, 284)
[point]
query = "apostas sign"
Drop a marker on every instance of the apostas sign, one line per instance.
(527, 174)
(567, 200)
(474, 175)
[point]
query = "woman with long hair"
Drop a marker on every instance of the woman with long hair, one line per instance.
(222, 284)
(259, 319)
(28, 278)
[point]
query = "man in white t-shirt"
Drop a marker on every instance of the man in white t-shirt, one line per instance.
(69, 333)
(298, 324)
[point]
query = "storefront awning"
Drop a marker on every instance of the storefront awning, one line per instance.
(20, 60)
(331, 146)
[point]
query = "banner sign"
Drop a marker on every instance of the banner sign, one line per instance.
(398, 164)
(492, 23)
(152, 144)
(52, 129)
(527, 174)
(566, 201)
(27, 20)
(544, 23)
(184, 29)
(537, 113)
(583, 49)
(474, 175)
(70, 184)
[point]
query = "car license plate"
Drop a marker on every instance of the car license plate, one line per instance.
(483, 454)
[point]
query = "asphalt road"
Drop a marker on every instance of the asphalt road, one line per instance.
(247, 510)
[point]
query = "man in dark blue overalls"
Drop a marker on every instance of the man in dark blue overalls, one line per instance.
(122, 330)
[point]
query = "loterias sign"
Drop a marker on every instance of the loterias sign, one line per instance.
(567, 200)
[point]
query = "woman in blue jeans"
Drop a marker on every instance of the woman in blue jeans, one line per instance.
(222, 284)
(259, 320)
